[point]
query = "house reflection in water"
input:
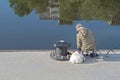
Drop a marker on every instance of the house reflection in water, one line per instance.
(115, 20)
(60, 11)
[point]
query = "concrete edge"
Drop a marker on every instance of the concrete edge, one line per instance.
(26, 50)
(101, 50)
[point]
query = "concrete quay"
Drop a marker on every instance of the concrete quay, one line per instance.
(37, 65)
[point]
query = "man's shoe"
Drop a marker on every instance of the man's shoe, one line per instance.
(93, 55)
(86, 54)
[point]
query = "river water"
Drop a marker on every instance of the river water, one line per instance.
(32, 33)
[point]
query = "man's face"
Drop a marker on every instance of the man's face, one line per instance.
(78, 29)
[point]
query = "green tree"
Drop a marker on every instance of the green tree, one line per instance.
(20, 7)
(99, 9)
(25, 7)
(69, 10)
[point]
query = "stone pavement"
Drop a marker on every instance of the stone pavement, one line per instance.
(37, 65)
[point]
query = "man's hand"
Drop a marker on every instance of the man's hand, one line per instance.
(79, 49)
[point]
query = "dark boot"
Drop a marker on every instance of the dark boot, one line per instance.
(93, 55)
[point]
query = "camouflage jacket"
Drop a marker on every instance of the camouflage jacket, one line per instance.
(85, 39)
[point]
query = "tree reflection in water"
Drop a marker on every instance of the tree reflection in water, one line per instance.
(68, 10)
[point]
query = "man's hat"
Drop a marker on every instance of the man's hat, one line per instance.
(78, 25)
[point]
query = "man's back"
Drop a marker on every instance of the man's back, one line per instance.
(86, 39)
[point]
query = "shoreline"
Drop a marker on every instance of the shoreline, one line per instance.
(101, 50)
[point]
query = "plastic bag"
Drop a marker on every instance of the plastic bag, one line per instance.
(77, 58)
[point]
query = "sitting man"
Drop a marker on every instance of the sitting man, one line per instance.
(85, 40)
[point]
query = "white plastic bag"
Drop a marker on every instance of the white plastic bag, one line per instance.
(77, 58)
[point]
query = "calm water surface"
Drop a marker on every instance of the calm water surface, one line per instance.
(32, 33)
